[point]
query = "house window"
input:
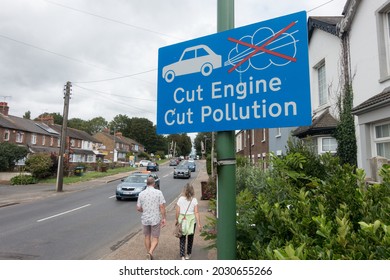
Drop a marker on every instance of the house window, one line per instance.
(329, 144)
(252, 137)
(51, 141)
(43, 140)
(58, 142)
(383, 27)
(33, 139)
(263, 138)
(382, 140)
(19, 137)
(322, 92)
(6, 135)
(238, 142)
(72, 142)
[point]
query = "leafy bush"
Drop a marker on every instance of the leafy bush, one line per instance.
(9, 154)
(23, 180)
(39, 165)
(296, 215)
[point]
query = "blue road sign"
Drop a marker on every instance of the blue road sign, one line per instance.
(256, 76)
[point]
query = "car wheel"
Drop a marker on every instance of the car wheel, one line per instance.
(206, 70)
(169, 76)
(118, 198)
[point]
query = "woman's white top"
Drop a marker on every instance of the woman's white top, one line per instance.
(183, 203)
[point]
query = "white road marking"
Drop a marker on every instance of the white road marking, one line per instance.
(112, 196)
(63, 213)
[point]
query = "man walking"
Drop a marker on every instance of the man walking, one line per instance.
(151, 203)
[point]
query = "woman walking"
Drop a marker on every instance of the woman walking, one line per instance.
(187, 213)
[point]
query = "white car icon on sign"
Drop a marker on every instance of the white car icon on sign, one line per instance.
(194, 59)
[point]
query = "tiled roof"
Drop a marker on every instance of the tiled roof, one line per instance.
(22, 124)
(75, 133)
(43, 149)
(323, 124)
(377, 101)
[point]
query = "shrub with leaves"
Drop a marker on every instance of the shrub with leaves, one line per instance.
(39, 165)
(295, 214)
(23, 180)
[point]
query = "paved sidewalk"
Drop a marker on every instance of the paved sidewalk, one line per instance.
(133, 248)
(168, 248)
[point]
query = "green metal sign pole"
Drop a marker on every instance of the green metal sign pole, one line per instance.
(226, 159)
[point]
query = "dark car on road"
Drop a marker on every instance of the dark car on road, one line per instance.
(192, 166)
(152, 166)
(173, 162)
(182, 171)
(131, 186)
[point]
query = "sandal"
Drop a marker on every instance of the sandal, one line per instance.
(149, 256)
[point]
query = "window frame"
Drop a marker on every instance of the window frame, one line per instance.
(19, 137)
(34, 139)
(7, 135)
(383, 35)
(380, 140)
(332, 145)
(321, 84)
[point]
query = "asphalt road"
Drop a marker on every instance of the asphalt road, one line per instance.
(87, 224)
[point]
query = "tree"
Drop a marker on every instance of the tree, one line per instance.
(182, 141)
(202, 137)
(121, 123)
(185, 144)
(345, 130)
(27, 115)
(143, 131)
(78, 123)
(96, 125)
(58, 118)
(9, 154)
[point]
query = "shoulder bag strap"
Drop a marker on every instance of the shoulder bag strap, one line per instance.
(188, 208)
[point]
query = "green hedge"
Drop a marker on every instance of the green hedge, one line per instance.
(287, 214)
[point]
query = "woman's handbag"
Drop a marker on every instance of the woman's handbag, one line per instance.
(178, 232)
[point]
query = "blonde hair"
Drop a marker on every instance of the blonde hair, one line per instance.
(188, 191)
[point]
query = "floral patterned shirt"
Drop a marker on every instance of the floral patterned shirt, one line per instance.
(150, 200)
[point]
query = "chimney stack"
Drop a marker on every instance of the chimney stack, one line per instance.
(48, 119)
(4, 108)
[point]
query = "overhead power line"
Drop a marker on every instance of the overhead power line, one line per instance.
(117, 95)
(79, 61)
(117, 78)
(109, 98)
(58, 54)
(315, 8)
(112, 20)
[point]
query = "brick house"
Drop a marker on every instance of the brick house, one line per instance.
(118, 147)
(253, 144)
(45, 137)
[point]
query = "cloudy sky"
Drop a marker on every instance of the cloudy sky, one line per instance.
(108, 49)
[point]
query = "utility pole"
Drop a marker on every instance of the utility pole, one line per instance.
(60, 171)
(226, 160)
